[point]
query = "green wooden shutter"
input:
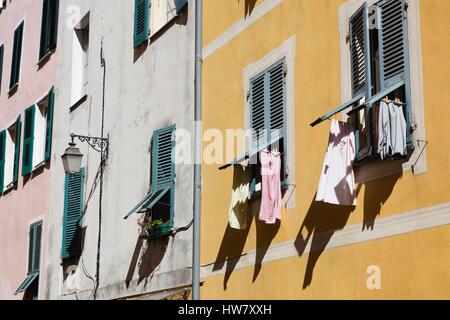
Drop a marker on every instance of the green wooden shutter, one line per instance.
(34, 250)
(53, 32)
(2, 50)
(2, 159)
(28, 141)
(44, 28)
(180, 4)
(49, 128)
(17, 149)
(49, 26)
(141, 21)
(163, 161)
(359, 50)
(17, 54)
(73, 212)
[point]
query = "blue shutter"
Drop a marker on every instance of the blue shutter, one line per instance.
(17, 149)
(258, 120)
(2, 159)
(2, 49)
(393, 42)
(394, 52)
(180, 4)
(17, 54)
(359, 50)
(49, 125)
(28, 141)
(163, 158)
(73, 211)
(277, 98)
(141, 21)
(268, 104)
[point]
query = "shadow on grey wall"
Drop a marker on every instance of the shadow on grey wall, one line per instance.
(147, 256)
(375, 195)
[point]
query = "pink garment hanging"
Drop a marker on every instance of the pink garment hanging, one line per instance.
(271, 200)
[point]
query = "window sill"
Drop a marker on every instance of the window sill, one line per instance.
(78, 103)
(45, 58)
(13, 89)
(8, 188)
(373, 169)
(39, 166)
(158, 232)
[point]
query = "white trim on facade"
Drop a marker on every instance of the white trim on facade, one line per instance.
(239, 27)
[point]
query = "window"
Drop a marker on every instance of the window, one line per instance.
(2, 50)
(267, 115)
(159, 202)
(37, 140)
(80, 60)
(151, 15)
(9, 156)
(379, 68)
(16, 57)
(49, 26)
(30, 286)
(73, 213)
(379, 53)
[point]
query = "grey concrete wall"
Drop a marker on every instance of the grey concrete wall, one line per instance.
(145, 89)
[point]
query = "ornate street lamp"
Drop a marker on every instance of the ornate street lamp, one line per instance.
(72, 156)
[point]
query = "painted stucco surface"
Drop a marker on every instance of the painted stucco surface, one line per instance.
(29, 202)
(317, 89)
(146, 89)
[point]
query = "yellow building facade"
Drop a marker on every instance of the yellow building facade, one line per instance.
(395, 242)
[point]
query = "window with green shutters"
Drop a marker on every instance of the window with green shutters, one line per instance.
(2, 51)
(2, 159)
(49, 125)
(141, 21)
(73, 213)
(9, 155)
(16, 57)
(49, 26)
(28, 141)
(17, 149)
(158, 205)
(31, 283)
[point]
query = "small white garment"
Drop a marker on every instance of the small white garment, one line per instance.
(384, 131)
(398, 130)
(391, 130)
(239, 209)
(337, 181)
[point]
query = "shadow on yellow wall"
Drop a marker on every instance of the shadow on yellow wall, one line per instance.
(321, 222)
(249, 6)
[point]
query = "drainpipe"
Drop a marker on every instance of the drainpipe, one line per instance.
(197, 150)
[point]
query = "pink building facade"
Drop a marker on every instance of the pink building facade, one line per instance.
(28, 57)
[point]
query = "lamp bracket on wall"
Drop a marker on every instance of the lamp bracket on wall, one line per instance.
(98, 144)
